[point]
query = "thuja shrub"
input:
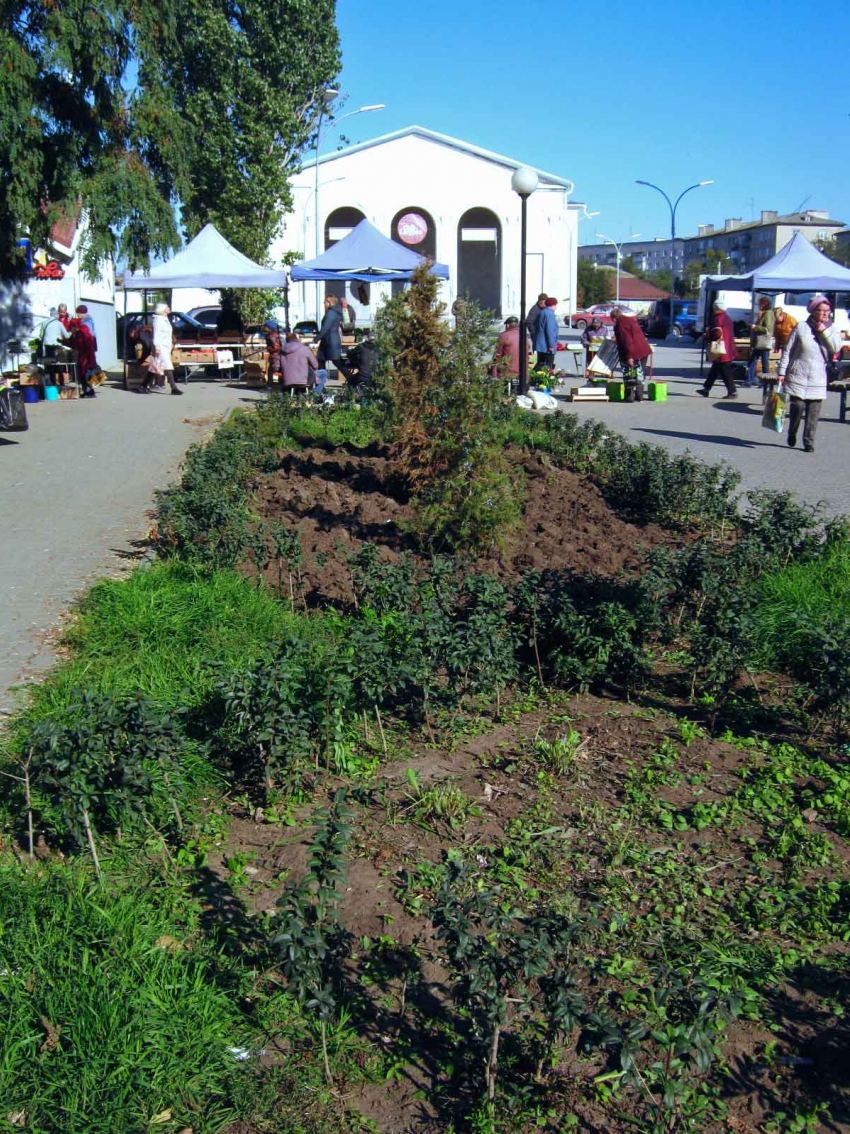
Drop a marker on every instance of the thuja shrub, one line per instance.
(442, 407)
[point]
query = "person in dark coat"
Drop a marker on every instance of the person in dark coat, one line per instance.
(545, 338)
(330, 344)
(534, 314)
(363, 358)
(722, 330)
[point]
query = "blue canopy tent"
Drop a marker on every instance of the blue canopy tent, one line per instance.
(798, 267)
(366, 255)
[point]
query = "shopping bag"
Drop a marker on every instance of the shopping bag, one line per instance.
(717, 350)
(773, 417)
(13, 413)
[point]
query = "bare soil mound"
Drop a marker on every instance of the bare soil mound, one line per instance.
(337, 501)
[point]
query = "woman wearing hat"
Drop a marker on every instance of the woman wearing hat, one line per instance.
(160, 362)
(803, 369)
(722, 331)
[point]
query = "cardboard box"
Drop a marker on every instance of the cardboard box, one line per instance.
(658, 391)
(189, 356)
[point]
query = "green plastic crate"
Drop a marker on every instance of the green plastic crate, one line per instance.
(658, 391)
(616, 391)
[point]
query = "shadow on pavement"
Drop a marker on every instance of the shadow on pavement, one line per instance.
(711, 438)
(8, 441)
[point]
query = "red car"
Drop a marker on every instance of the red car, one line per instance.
(601, 311)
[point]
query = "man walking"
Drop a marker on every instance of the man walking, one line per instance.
(534, 314)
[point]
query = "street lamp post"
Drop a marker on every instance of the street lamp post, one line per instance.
(619, 246)
(523, 182)
(673, 208)
(328, 96)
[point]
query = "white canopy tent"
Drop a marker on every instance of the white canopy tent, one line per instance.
(207, 261)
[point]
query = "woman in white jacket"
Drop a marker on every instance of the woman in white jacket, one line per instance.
(160, 361)
(803, 367)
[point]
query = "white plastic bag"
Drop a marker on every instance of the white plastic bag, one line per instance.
(524, 402)
(542, 401)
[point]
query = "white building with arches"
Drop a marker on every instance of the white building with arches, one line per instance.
(444, 198)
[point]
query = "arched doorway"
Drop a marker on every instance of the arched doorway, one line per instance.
(479, 258)
(337, 226)
(414, 228)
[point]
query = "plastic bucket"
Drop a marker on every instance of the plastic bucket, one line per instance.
(51, 393)
(30, 393)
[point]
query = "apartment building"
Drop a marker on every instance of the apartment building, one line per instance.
(752, 244)
(649, 255)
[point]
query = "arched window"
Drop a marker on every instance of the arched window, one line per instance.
(479, 258)
(338, 225)
(414, 228)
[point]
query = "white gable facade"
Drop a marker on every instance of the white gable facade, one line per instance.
(443, 198)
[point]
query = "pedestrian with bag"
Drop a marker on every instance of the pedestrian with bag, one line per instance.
(761, 340)
(722, 353)
(160, 364)
(804, 369)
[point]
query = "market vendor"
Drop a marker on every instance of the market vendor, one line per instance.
(82, 341)
(592, 338)
(274, 344)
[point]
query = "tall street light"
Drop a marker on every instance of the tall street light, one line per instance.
(673, 208)
(608, 240)
(328, 95)
(523, 182)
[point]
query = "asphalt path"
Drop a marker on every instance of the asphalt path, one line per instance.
(77, 487)
(79, 484)
(715, 430)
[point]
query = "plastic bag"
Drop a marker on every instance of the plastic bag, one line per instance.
(542, 400)
(524, 402)
(13, 413)
(773, 417)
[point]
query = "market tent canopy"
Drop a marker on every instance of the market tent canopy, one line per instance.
(366, 255)
(207, 261)
(799, 266)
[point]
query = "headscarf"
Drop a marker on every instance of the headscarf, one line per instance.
(161, 309)
(551, 303)
(596, 323)
(82, 309)
(718, 306)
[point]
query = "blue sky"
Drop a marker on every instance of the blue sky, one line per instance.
(749, 95)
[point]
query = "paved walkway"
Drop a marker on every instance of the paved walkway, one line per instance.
(76, 489)
(716, 430)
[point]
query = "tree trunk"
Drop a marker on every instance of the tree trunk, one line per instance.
(325, 1053)
(90, 837)
(381, 730)
(492, 1063)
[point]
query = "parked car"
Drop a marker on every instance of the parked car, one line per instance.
(306, 327)
(601, 311)
(185, 327)
(206, 315)
(655, 323)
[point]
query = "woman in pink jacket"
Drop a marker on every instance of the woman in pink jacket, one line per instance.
(298, 364)
(722, 330)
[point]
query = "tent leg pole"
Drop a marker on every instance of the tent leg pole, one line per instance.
(124, 340)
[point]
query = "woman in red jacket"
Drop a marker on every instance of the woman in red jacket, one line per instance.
(634, 350)
(82, 341)
(722, 330)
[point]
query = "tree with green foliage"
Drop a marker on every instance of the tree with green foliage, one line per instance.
(75, 133)
(127, 110)
(592, 285)
(442, 404)
(248, 80)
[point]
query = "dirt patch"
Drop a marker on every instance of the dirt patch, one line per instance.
(339, 501)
